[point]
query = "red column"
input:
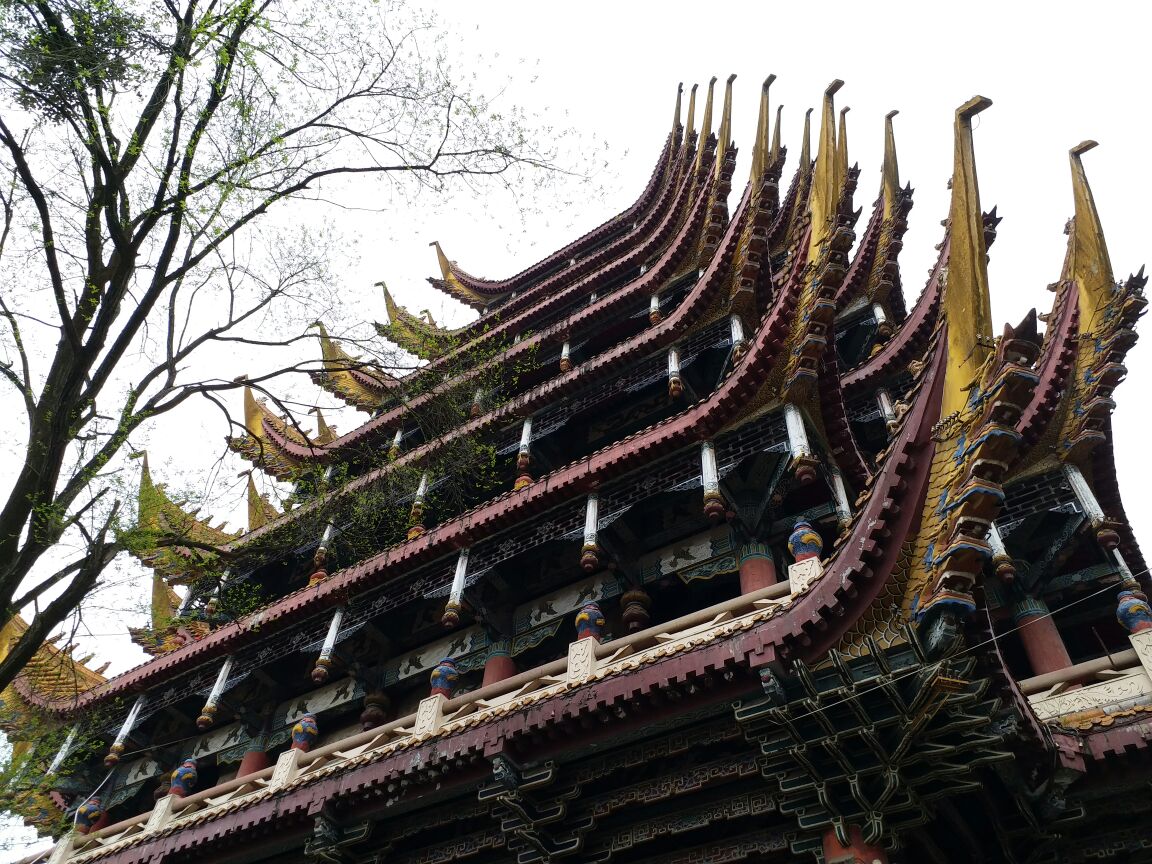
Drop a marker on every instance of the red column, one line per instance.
(1038, 633)
(757, 569)
(856, 852)
(499, 664)
(253, 761)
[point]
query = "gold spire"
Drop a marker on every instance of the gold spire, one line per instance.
(159, 518)
(324, 435)
(418, 335)
(760, 158)
(259, 447)
(362, 389)
(823, 198)
(706, 126)
(445, 264)
(806, 145)
(260, 510)
(890, 176)
(253, 414)
(966, 305)
(676, 113)
(774, 155)
(725, 134)
(1088, 261)
(690, 123)
(455, 287)
(842, 150)
(165, 602)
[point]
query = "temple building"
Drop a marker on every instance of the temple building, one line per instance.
(776, 556)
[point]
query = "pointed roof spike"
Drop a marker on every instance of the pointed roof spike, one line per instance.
(842, 150)
(823, 198)
(676, 113)
(260, 510)
(1088, 262)
(724, 137)
(774, 154)
(442, 259)
(806, 145)
(690, 123)
(253, 416)
(890, 174)
(706, 126)
(165, 602)
(760, 158)
(966, 305)
(324, 435)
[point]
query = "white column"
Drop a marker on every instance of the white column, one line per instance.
(451, 616)
(208, 712)
(736, 329)
(708, 471)
(125, 730)
(840, 493)
(878, 312)
(654, 306)
(886, 408)
(797, 434)
(1084, 494)
(320, 671)
(995, 541)
(591, 519)
(64, 750)
(397, 437)
(526, 435)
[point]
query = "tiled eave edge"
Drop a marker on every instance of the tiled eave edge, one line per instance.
(588, 273)
(656, 181)
(910, 338)
(1056, 362)
(666, 235)
(856, 279)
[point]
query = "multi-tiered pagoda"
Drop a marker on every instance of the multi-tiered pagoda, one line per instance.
(769, 566)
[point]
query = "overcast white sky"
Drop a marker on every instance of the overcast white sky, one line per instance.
(1058, 73)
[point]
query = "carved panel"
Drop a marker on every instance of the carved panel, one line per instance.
(429, 715)
(1132, 689)
(581, 660)
(803, 573)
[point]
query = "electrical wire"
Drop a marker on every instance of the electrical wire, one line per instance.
(991, 641)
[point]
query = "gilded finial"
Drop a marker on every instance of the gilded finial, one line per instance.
(724, 138)
(260, 510)
(445, 264)
(390, 305)
(806, 145)
(966, 304)
(324, 434)
(760, 158)
(774, 155)
(253, 416)
(690, 123)
(706, 126)
(823, 198)
(676, 113)
(890, 175)
(1088, 261)
(842, 149)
